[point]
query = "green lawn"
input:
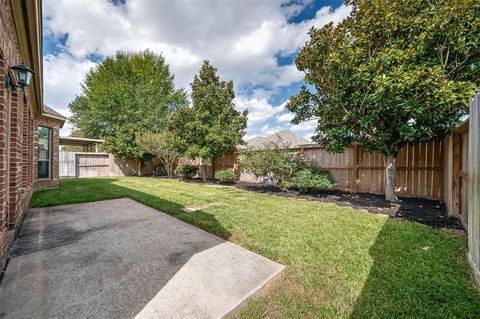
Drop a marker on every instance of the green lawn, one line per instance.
(340, 262)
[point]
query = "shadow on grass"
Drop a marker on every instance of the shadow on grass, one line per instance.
(414, 274)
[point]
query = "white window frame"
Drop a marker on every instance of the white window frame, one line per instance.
(49, 160)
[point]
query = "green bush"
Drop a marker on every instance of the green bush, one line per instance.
(288, 169)
(312, 179)
(283, 164)
(186, 171)
(225, 176)
(159, 171)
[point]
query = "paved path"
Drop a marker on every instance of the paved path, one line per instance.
(121, 259)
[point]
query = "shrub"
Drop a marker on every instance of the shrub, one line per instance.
(159, 171)
(225, 176)
(283, 164)
(312, 179)
(186, 171)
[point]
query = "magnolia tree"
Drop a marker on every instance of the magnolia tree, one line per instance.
(393, 72)
(161, 145)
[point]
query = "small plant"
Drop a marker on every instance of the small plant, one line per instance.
(186, 171)
(225, 176)
(159, 171)
(312, 179)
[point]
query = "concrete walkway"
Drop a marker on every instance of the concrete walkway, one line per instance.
(121, 259)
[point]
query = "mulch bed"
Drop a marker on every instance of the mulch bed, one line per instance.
(424, 211)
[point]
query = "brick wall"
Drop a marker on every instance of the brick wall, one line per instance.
(17, 152)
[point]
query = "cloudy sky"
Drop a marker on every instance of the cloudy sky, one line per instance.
(251, 42)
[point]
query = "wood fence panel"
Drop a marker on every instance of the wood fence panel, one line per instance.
(66, 164)
(92, 164)
(341, 166)
(455, 181)
(448, 184)
(224, 162)
(474, 187)
(419, 169)
(463, 198)
(371, 172)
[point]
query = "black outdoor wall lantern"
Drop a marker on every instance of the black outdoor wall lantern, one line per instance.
(22, 74)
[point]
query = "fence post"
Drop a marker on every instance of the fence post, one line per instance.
(457, 181)
(355, 168)
(474, 187)
(76, 165)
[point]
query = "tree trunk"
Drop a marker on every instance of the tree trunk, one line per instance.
(203, 170)
(390, 182)
(139, 169)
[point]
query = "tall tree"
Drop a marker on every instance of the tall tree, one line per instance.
(212, 126)
(393, 72)
(125, 94)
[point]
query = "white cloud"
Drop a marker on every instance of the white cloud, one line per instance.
(259, 110)
(240, 38)
(62, 78)
(285, 117)
(304, 126)
(268, 130)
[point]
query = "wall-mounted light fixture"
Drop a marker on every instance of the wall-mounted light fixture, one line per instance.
(22, 74)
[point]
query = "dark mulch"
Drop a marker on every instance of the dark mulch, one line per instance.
(423, 211)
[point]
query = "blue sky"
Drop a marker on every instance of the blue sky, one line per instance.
(253, 43)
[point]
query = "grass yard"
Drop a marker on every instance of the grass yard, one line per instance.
(340, 262)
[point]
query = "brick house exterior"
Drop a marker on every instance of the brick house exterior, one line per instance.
(54, 121)
(21, 114)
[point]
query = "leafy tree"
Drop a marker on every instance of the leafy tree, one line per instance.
(125, 94)
(280, 163)
(161, 145)
(393, 72)
(212, 126)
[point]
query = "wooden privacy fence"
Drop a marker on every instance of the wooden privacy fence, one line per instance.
(419, 169)
(473, 182)
(74, 165)
(86, 164)
(455, 173)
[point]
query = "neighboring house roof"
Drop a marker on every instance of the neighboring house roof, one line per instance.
(49, 112)
(283, 139)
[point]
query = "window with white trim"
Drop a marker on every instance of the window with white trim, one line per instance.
(44, 152)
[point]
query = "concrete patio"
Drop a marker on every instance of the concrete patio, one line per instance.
(121, 259)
